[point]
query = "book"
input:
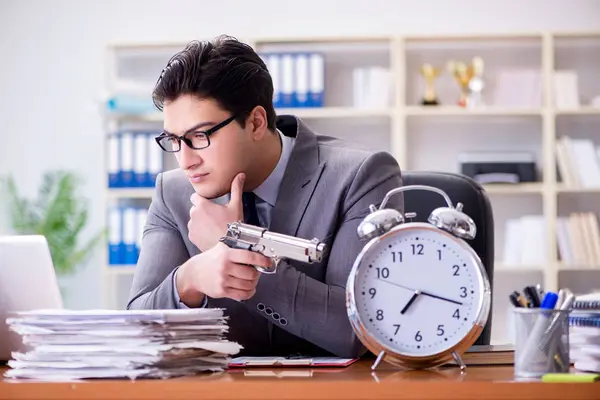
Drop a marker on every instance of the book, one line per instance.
(493, 354)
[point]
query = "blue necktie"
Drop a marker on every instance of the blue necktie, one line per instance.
(250, 213)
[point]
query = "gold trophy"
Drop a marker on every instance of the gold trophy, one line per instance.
(470, 81)
(476, 83)
(430, 73)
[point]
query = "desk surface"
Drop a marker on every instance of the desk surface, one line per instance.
(353, 382)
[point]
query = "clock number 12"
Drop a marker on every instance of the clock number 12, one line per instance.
(417, 249)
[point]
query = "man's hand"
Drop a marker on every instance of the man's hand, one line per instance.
(208, 221)
(220, 272)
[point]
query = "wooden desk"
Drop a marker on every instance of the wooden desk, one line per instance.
(354, 382)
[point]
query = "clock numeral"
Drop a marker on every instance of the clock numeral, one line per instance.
(372, 292)
(418, 336)
(456, 268)
(440, 330)
(440, 255)
(396, 256)
(397, 326)
(463, 292)
(379, 315)
(456, 314)
(417, 249)
(383, 273)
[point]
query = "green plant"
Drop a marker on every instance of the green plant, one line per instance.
(58, 214)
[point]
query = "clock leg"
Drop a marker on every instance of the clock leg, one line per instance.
(378, 360)
(459, 361)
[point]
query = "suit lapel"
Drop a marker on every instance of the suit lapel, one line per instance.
(299, 180)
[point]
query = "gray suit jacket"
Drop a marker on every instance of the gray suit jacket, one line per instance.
(325, 193)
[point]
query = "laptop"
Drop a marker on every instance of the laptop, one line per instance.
(27, 282)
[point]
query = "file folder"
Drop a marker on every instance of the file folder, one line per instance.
(140, 170)
(127, 160)
(114, 166)
(317, 80)
(301, 98)
(155, 160)
(114, 236)
(129, 236)
(287, 87)
(272, 61)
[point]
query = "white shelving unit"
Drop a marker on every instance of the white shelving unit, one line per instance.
(431, 137)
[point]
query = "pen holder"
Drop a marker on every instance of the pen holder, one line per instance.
(541, 341)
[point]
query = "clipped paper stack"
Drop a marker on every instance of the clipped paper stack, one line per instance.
(65, 345)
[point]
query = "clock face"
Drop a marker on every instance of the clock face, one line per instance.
(418, 290)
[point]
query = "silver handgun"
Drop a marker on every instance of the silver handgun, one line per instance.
(273, 245)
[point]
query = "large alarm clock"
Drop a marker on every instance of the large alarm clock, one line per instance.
(418, 295)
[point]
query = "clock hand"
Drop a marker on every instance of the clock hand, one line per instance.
(421, 292)
(396, 284)
(441, 298)
(412, 300)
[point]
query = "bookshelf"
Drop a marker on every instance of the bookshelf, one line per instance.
(430, 137)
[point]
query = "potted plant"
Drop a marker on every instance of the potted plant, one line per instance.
(58, 214)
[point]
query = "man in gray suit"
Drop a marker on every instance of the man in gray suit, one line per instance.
(238, 161)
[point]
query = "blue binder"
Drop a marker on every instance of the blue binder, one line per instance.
(141, 162)
(273, 63)
(316, 92)
(114, 166)
(287, 80)
(155, 160)
(129, 235)
(301, 82)
(115, 236)
(126, 160)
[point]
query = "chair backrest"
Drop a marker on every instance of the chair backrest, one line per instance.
(460, 188)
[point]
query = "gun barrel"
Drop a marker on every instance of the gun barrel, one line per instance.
(277, 245)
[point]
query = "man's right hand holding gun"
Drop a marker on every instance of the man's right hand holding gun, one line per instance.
(219, 272)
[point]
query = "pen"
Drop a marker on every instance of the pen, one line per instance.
(566, 305)
(296, 356)
(514, 299)
(549, 301)
(517, 299)
(532, 296)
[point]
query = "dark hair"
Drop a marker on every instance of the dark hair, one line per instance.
(225, 70)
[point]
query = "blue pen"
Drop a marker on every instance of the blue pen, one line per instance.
(549, 300)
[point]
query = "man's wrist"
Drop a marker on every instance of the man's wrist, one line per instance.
(185, 289)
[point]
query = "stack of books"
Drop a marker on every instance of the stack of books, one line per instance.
(584, 335)
(72, 345)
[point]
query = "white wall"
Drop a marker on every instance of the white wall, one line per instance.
(51, 64)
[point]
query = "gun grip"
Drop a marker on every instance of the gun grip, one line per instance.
(234, 244)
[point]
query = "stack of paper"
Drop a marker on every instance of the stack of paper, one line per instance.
(64, 344)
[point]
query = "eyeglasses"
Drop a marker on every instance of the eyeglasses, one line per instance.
(195, 139)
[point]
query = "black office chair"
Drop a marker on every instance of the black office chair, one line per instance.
(470, 193)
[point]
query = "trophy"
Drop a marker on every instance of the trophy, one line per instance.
(470, 81)
(430, 73)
